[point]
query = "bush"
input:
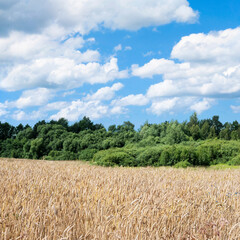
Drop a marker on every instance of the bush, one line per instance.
(113, 157)
(235, 161)
(164, 159)
(148, 157)
(182, 164)
(61, 155)
(203, 158)
(87, 154)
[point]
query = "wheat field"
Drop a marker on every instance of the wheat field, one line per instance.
(72, 200)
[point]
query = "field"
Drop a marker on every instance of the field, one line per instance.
(73, 200)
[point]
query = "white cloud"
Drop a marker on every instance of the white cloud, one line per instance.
(36, 97)
(167, 105)
(93, 109)
(41, 49)
(54, 106)
(42, 60)
(2, 111)
(91, 105)
(202, 106)
(177, 104)
(209, 69)
(90, 56)
(106, 93)
(60, 73)
(41, 113)
(118, 48)
(236, 109)
(20, 47)
(157, 67)
(212, 48)
(20, 115)
(163, 89)
(84, 16)
(116, 110)
(147, 54)
(128, 48)
(69, 93)
(77, 109)
(131, 100)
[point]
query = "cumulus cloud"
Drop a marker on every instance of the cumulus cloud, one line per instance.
(106, 93)
(215, 47)
(77, 109)
(42, 112)
(28, 16)
(20, 115)
(210, 67)
(3, 110)
(118, 110)
(131, 100)
(236, 109)
(41, 60)
(29, 98)
(21, 47)
(202, 105)
(60, 73)
(206, 66)
(177, 104)
(95, 109)
(157, 67)
(54, 106)
(41, 49)
(80, 16)
(161, 106)
(92, 105)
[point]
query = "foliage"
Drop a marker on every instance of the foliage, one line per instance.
(235, 161)
(61, 155)
(149, 157)
(87, 154)
(113, 157)
(198, 142)
(182, 164)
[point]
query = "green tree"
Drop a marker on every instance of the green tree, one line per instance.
(212, 133)
(204, 131)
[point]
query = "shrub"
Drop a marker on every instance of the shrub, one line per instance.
(112, 158)
(87, 154)
(182, 164)
(203, 158)
(148, 157)
(61, 155)
(235, 161)
(164, 159)
(118, 158)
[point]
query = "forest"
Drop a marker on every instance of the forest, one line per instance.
(190, 143)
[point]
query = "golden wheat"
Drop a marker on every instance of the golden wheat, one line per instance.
(71, 200)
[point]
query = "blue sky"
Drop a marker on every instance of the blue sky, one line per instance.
(131, 60)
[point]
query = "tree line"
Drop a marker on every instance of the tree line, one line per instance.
(193, 142)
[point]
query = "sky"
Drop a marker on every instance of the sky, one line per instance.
(116, 61)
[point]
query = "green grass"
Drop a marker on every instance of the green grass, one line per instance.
(223, 166)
